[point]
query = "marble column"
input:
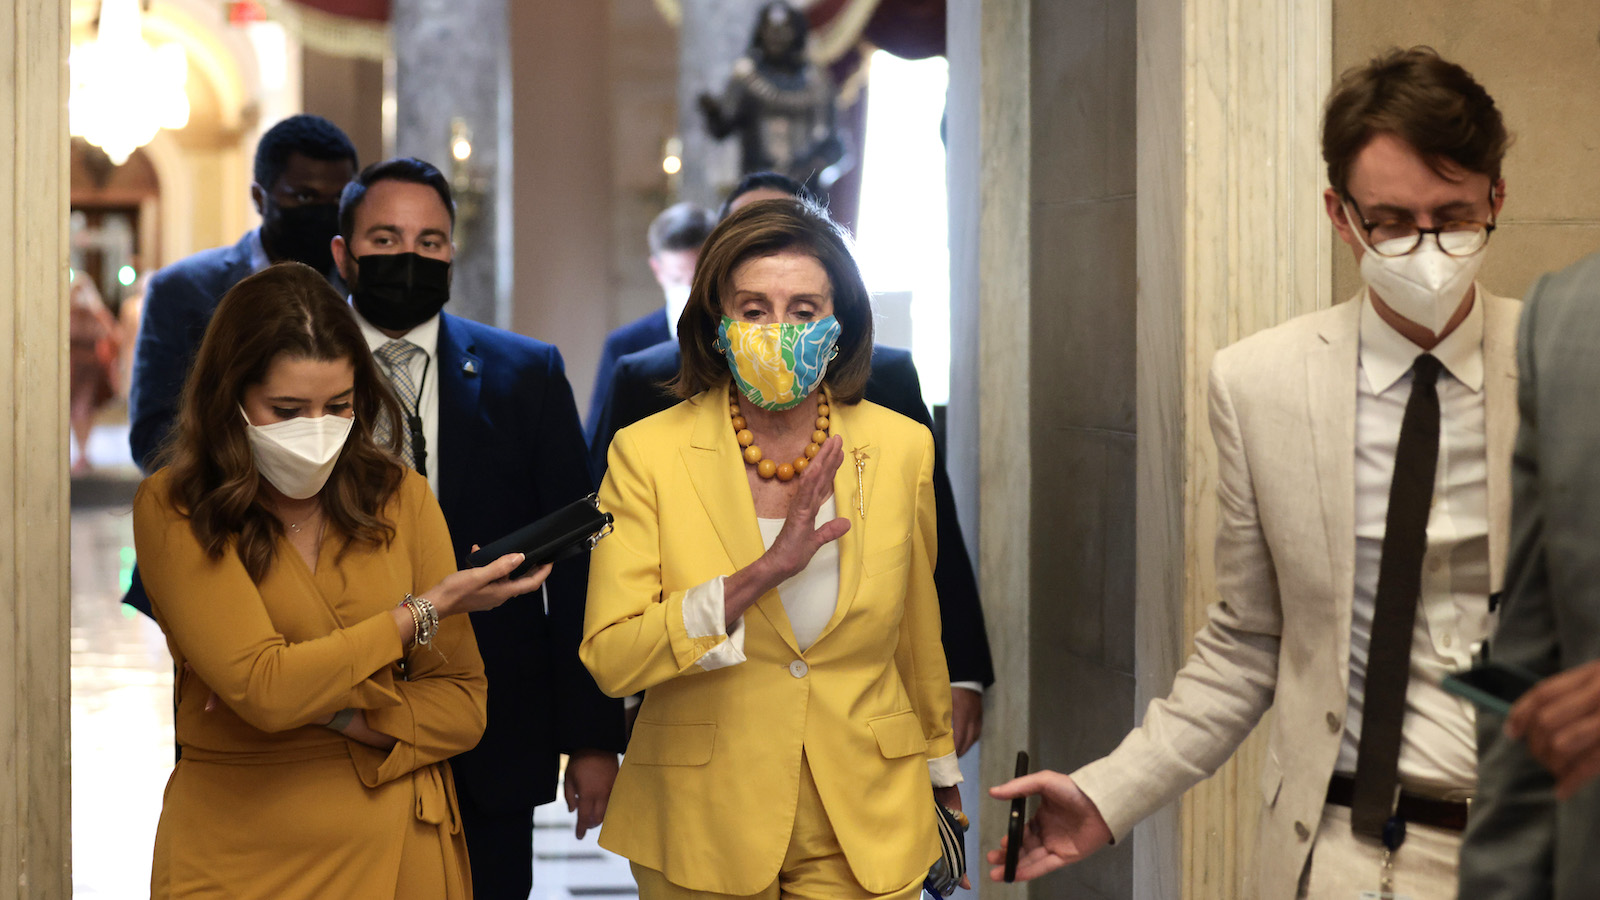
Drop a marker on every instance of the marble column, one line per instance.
(452, 62)
(35, 694)
(1041, 138)
(713, 35)
(1232, 239)
(1132, 187)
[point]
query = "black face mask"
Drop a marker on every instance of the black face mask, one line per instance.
(399, 291)
(301, 233)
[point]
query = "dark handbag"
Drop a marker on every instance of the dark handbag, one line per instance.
(951, 866)
(570, 530)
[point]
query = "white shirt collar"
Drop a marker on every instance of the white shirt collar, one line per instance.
(1387, 355)
(425, 335)
(258, 252)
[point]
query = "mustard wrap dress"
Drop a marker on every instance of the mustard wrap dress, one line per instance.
(266, 804)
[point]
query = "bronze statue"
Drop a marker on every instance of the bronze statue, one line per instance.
(780, 104)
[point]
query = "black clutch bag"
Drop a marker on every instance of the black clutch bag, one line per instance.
(570, 530)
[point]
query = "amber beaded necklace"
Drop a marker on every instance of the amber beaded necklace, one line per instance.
(768, 468)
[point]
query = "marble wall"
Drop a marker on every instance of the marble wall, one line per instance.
(1082, 368)
(34, 600)
(1051, 192)
(452, 61)
(644, 114)
(1541, 64)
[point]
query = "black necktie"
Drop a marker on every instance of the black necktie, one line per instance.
(1405, 538)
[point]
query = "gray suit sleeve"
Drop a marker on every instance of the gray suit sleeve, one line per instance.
(1508, 850)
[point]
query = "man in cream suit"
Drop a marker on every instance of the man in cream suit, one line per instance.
(1363, 456)
(1535, 830)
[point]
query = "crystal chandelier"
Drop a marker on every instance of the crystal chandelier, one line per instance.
(123, 90)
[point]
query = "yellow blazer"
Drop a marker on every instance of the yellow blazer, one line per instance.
(711, 778)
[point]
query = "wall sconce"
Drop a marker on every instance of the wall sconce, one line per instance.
(672, 163)
(466, 184)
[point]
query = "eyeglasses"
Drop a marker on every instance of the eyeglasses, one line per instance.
(1401, 237)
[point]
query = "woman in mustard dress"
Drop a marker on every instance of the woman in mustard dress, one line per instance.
(305, 581)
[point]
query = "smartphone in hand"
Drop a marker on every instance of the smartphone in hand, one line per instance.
(1493, 686)
(1019, 816)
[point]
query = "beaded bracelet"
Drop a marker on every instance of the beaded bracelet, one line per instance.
(430, 620)
(416, 619)
(424, 619)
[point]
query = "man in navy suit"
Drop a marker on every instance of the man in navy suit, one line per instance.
(491, 422)
(301, 165)
(637, 391)
(674, 237)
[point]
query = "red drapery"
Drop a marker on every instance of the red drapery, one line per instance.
(368, 10)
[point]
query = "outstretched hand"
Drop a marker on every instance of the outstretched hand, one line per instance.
(484, 587)
(1066, 828)
(1559, 718)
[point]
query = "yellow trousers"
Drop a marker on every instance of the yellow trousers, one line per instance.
(814, 868)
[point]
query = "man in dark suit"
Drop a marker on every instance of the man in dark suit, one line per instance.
(674, 237)
(301, 165)
(490, 420)
(637, 391)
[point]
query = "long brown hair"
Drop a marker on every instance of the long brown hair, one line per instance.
(762, 229)
(284, 310)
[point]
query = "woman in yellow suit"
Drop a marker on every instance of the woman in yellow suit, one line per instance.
(769, 585)
(306, 584)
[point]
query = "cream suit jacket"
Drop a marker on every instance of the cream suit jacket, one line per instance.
(1283, 412)
(709, 785)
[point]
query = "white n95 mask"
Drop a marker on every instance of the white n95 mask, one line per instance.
(297, 456)
(1425, 286)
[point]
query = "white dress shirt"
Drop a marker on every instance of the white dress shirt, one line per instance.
(1438, 748)
(424, 374)
(258, 252)
(810, 599)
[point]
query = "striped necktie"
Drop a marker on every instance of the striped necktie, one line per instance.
(396, 358)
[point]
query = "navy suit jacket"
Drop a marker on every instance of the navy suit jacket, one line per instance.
(178, 304)
(177, 308)
(636, 392)
(646, 331)
(510, 451)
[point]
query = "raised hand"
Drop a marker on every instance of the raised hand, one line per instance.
(800, 538)
(1066, 828)
(1559, 719)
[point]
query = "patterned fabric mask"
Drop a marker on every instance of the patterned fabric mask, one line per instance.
(777, 366)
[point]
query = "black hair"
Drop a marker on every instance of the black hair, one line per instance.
(401, 168)
(307, 135)
(755, 181)
(681, 226)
